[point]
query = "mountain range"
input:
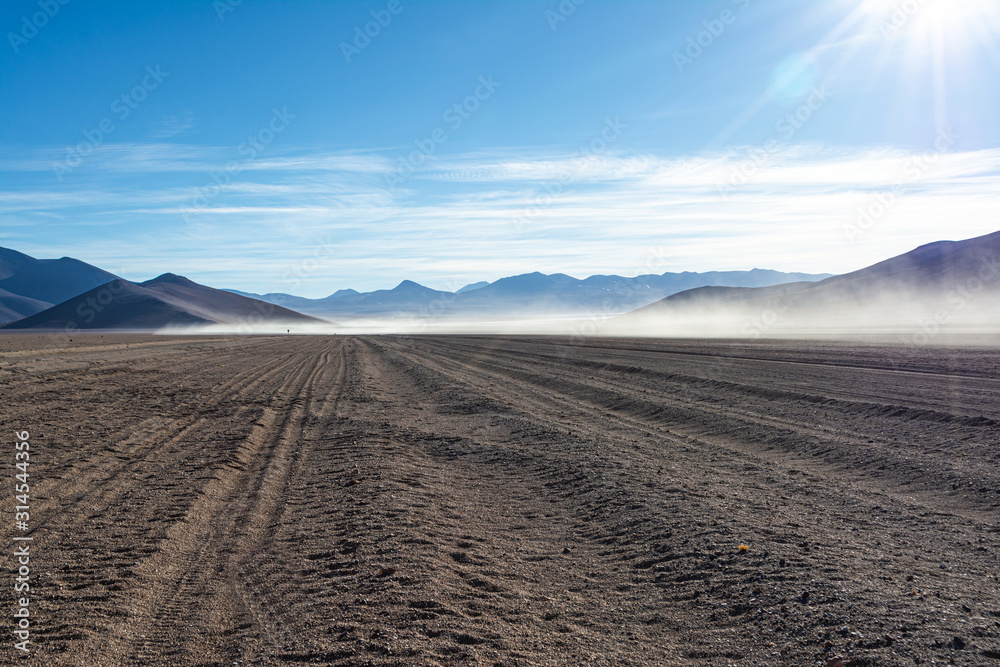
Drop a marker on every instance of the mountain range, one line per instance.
(951, 285)
(168, 301)
(29, 285)
(524, 296)
(942, 285)
(69, 294)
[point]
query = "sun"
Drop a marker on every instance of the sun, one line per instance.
(939, 19)
(933, 44)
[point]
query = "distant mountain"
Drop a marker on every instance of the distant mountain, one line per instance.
(407, 298)
(527, 295)
(29, 285)
(472, 287)
(947, 284)
(404, 298)
(166, 301)
(555, 294)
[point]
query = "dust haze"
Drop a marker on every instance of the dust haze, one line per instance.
(917, 315)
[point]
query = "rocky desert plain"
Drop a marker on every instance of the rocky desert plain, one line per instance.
(483, 500)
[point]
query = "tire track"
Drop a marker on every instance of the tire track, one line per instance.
(263, 596)
(918, 389)
(185, 571)
(619, 486)
(100, 483)
(844, 450)
(437, 501)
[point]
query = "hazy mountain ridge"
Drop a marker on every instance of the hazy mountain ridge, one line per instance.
(525, 295)
(945, 284)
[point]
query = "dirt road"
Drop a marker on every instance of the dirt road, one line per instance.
(504, 501)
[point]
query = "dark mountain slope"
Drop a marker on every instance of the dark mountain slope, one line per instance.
(166, 301)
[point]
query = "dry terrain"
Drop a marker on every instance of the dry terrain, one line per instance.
(504, 501)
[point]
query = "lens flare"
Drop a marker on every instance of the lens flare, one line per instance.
(951, 19)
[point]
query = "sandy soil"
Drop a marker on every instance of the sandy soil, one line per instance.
(504, 501)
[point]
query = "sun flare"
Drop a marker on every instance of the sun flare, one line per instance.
(954, 19)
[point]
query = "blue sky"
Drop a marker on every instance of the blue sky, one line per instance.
(273, 146)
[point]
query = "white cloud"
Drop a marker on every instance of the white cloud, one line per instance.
(482, 216)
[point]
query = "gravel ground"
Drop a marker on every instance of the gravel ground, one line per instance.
(505, 501)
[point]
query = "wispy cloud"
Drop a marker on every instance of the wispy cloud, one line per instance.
(172, 126)
(482, 216)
